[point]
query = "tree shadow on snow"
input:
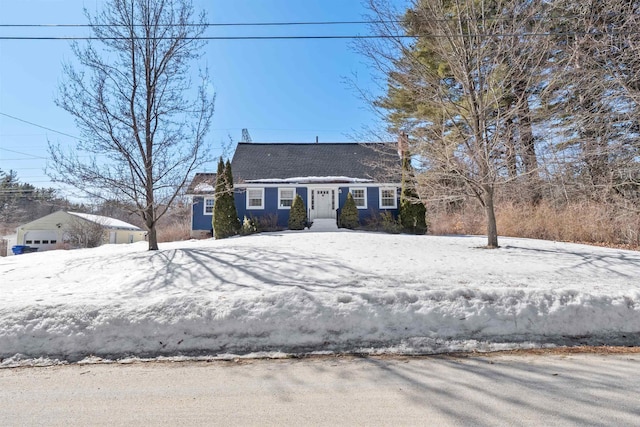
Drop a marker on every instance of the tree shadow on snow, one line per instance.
(225, 270)
(611, 261)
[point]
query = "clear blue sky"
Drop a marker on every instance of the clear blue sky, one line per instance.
(281, 90)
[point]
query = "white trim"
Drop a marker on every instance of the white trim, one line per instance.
(364, 189)
(395, 197)
(204, 206)
(261, 198)
(336, 185)
(280, 189)
(312, 210)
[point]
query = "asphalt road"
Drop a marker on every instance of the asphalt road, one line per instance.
(582, 389)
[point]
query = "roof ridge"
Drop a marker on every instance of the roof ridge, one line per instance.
(314, 143)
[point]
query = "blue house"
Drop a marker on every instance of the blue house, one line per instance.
(267, 177)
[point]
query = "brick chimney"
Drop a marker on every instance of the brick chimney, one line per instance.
(403, 144)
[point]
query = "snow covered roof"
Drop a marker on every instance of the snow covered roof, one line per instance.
(310, 179)
(106, 221)
(202, 183)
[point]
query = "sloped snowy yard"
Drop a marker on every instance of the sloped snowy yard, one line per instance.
(309, 291)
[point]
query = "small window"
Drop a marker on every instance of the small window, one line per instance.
(208, 206)
(36, 242)
(45, 242)
(53, 242)
(28, 242)
(285, 197)
(255, 198)
(388, 199)
(359, 196)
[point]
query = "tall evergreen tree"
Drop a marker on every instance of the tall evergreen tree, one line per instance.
(233, 212)
(412, 210)
(225, 218)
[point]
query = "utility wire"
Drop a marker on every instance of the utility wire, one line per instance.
(215, 24)
(325, 37)
(90, 38)
(39, 126)
(319, 23)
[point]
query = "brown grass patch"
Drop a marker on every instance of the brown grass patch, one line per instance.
(580, 222)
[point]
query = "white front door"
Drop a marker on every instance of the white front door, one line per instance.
(324, 202)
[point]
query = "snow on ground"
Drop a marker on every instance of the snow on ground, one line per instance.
(293, 292)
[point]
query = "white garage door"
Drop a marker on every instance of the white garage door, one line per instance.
(41, 239)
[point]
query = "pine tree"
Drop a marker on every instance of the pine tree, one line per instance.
(412, 210)
(233, 212)
(349, 217)
(297, 214)
(225, 217)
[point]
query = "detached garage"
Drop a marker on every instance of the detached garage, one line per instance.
(73, 229)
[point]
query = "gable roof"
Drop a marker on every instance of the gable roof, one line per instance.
(202, 183)
(106, 221)
(61, 216)
(308, 162)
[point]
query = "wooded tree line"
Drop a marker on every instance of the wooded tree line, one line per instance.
(531, 101)
(21, 202)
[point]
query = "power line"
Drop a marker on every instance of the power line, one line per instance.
(212, 24)
(39, 126)
(326, 37)
(91, 38)
(33, 156)
(317, 23)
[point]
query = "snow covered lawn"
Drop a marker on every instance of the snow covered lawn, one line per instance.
(309, 291)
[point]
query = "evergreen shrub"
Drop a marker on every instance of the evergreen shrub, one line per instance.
(297, 214)
(349, 217)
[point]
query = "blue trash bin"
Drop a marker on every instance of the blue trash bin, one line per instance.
(17, 249)
(22, 249)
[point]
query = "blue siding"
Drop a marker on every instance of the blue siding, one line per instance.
(270, 205)
(203, 222)
(373, 203)
(200, 220)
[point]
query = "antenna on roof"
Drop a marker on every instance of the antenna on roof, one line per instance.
(245, 136)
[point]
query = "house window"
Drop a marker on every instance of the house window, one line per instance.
(53, 242)
(388, 199)
(255, 198)
(359, 196)
(28, 242)
(285, 197)
(208, 205)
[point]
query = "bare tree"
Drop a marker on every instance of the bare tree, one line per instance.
(81, 233)
(459, 88)
(143, 123)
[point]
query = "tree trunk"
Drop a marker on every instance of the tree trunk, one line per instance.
(510, 155)
(153, 238)
(528, 147)
(492, 228)
(151, 226)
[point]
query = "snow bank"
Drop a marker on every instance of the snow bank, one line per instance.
(303, 291)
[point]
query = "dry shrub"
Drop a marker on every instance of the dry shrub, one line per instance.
(467, 220)
(177, 229)
(585, 222)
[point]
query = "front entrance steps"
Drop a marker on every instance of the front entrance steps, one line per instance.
(324, 224)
